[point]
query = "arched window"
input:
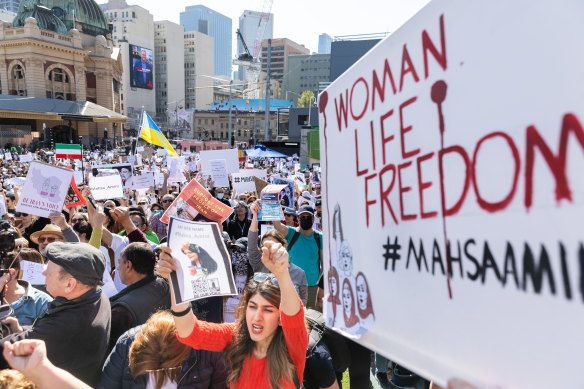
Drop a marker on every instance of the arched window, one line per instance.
(17, 81)
(59, 84)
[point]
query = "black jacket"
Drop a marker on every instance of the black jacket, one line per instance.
(76, 333)
(203, 369)
(133, 305)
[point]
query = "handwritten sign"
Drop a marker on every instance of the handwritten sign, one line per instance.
(143, 181)
(244, 180)
(219, 173)
(454, 196)
(106, 187)
(33, 272)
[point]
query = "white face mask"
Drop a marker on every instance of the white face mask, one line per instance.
(219, 196)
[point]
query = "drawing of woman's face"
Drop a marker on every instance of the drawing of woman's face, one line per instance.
(346, 258)
(347, 299)
(362, 292)
(333, 285)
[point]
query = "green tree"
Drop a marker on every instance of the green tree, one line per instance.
(305, 99)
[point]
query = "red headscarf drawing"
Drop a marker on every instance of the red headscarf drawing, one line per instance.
(349, 305)
(333, 279)
(364, 304)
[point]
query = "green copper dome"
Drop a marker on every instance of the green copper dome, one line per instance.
(72, 14)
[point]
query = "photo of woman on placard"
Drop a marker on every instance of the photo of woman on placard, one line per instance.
(342, 252)
(201, 262)
(364, 305)
(333, 298)
(351, 318)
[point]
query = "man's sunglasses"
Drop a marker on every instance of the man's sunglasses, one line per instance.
(77, 220)
(20, 214)
(44, 239)
(167, 201)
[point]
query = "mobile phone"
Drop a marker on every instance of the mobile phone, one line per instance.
(5, 311)
(91, 201)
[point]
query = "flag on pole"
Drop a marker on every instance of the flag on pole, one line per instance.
(68, 151)
(150, 132)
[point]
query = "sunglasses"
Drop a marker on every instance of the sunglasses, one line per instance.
(167, 201)
(260, 277)
(77, 220)
(19, 214)
(46, 239)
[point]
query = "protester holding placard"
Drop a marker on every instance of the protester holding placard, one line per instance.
(271, 317)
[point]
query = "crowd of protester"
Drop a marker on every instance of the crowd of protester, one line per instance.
(105, 316)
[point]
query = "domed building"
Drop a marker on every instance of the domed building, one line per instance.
(61, 53)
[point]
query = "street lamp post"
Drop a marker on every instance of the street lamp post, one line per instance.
(234, 135)
(229, 136)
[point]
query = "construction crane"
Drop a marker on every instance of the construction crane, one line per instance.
(253, 65)
(247, 57)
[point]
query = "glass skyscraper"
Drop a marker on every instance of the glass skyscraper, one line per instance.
(10, 5)
(205, 20)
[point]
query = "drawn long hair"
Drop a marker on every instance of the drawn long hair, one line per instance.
(280, 365)
(353, 319)
(369, 309)
(334, 299)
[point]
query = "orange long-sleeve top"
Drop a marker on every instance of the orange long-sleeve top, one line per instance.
(215, 337)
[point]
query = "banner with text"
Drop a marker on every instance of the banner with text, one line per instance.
(453, 151)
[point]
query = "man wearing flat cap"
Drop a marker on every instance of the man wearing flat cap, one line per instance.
(76, 326)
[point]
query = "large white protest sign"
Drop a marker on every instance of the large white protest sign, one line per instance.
(230, 156)
(455, 147)
(176, 167)
(219, 173)
(26, 157)
(143, 181)
(45, 189)
(204, 265)
(125, 170)
(243, 181)
(107, 185)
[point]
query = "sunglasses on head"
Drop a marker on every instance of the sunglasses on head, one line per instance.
(260, 277)
(43, 239)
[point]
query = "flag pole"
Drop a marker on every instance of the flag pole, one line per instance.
(140, 131)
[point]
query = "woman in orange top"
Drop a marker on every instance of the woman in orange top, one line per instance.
(267, 347)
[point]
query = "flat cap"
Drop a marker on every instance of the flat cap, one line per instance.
(83, 261)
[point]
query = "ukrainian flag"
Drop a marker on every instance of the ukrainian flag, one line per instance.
(150, 132)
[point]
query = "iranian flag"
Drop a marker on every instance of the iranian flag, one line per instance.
(68, 151)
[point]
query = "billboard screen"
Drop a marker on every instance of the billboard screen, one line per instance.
(142, 67)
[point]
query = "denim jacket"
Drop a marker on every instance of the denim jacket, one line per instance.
(31, 305)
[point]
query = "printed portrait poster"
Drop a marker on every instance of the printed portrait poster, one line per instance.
(125, 170)
(244, 180)
(204, 265)
(44, 190)
(194, 199)
(452, 156)
(74, 196)
(287, 195)
(106, 184)
(270, 208)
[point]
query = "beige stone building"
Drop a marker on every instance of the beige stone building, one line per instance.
(199, 60)
(49, 53)
(280, 50)
(248, 126)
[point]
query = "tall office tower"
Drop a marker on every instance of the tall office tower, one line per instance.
(10, 5)
(133, 30)
(250, 23)
(281, 49)
(198, 70)
(205, 20)
(324, 44)
(169, 69)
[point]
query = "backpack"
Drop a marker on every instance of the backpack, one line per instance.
(297, 235)
(335, 342)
